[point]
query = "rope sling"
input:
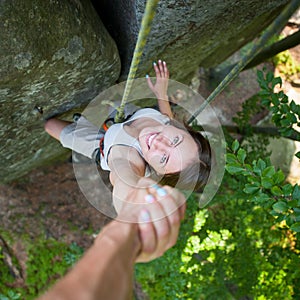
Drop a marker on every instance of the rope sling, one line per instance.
(149, 14)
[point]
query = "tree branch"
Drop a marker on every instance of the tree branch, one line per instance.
(267, 53)
(270, 51)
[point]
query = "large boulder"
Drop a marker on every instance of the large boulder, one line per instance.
(186, 33)
(55, 55)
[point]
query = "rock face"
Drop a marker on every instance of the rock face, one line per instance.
(186, 33)
(56, 55)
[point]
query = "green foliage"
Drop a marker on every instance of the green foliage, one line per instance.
(45, 264)
(11, 295)
(230, 250)
(5, 274)
(286, 65)
(266, 187)
(73, 255)
(48, 260)
(285, 114)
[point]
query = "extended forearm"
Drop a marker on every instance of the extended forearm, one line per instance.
(124, 174)
(164, 106)
(105, 271)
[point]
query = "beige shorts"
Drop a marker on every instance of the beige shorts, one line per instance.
(82, 137)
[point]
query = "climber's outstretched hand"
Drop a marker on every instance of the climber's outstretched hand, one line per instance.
(160, 87)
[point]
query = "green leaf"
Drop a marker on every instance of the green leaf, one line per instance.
(286, 131)
(280, 207)
(275, 214)
(248, 167)
(269, 77)
(275, 81)
(297, 154)
(263, 93)
(275, 100)
(284, 122)
(276, 119)
(292, 203)
(281, 94)
(289, 220)
(267, 183)
(294, 107)
(251, 188)
(285, 99)
(252, 178)
(278, 177)
(260, 76)
(235, 145)
(275, 190)
(265, 101)
(274, 109)
(268, 172)
(296, 227)
(287, 189)
(230, 158)
(285, 108)
(261, 164)
(234, 169)
(291, 117)
(241, 155)
(257, 170)
(296, 214)
(262, 198)
(296, 193)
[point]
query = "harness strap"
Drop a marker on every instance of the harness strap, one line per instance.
(107, 123)
(105, 126)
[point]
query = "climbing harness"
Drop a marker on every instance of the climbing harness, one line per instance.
(105, 126)
(274, 28)
(149, 14)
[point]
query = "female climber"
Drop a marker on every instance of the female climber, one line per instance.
(148, 144)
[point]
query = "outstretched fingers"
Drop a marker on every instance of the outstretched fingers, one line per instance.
(160, 86)
(161, 69)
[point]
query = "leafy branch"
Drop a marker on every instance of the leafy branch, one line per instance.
(285, 114)
(266, 187)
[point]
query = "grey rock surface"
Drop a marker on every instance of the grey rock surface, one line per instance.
(55, 55)
(186, 33)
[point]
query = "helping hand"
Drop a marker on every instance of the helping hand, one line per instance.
(159, 211)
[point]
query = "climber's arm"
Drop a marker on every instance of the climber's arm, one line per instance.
(55, 126)
(127, 168)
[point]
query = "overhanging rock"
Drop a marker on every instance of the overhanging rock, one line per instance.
(187, 33)
(56, 55)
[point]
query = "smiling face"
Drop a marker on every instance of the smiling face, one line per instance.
(167, 149)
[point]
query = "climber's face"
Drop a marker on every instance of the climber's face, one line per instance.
(167, 148)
